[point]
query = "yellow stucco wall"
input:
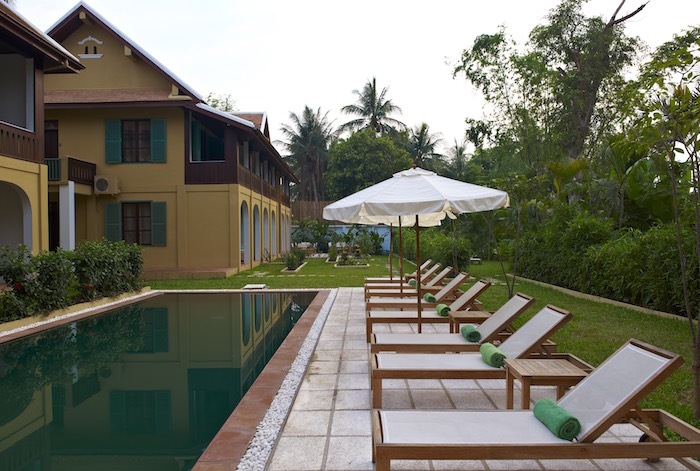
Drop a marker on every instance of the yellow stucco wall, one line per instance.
(32, 179)
(114, 70)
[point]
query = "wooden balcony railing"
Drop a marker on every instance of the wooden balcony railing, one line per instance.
(17, 142)
(243, 176)
(78, 171)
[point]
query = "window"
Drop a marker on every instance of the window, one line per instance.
(135, 140)
(142, 222)
(207, 143)
(136, 223)
(256, 163)
(243, 158)
(144, 412)
(155, 330)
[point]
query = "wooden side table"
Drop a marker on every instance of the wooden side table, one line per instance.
(467, 317)
(536, 372)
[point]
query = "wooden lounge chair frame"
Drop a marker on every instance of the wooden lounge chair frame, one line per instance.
(428, 314)
(651, 422)
(499, 321)
(369, 284)
(441, 296)
(404, 291)
(398, 279)
(530, 345)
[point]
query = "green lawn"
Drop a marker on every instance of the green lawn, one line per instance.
(595, 332)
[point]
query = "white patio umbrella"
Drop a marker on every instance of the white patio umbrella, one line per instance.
(415, 193)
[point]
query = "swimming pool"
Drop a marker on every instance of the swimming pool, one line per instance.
(145, 386)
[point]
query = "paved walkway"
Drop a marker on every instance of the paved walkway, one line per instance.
(329, 425)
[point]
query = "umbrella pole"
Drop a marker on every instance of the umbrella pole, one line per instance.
(400, 252)
(418, 274)
(391, 251)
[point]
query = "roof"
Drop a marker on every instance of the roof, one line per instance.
(56, 57)
(258, 119)
(70, 22)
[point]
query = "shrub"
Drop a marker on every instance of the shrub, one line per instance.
(438, 246)
(332, 252)
(53, 280)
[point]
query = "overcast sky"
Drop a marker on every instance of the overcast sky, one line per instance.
(279, 55)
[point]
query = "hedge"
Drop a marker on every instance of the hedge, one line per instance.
(38, 284)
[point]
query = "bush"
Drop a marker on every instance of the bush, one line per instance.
(438, 246)
(332, 252)
(294, 258)
(53, 280)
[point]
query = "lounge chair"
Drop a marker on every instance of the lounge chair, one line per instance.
(428, 311)
(396, 282)
(403, 291)
(446, 293)
(440, 343)
(424, 266)
(467, 365)
(610, 394)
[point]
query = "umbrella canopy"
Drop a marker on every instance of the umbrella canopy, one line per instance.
(415, 192)
(421, 194)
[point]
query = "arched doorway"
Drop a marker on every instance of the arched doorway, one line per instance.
(266, 233)
(256, 233)
(245, 234)
(274, 234)
(15, 216)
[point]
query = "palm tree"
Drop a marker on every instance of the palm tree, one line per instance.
(422, 147)
(373, 110)
(307, 140)
(457, 154)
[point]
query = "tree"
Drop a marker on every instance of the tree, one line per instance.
(549, 99)
(373, 109)
(362, 160)
(457, 163)
(223, 102)
(307, 140)
(670, 126)
(587, 53)
(422, 147)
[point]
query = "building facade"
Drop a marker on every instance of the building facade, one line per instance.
(135, 154)
(26, 54)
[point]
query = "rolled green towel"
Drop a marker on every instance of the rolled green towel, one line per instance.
(557, 419)
(470, 333)
(492, 355)
(412, 282)
(443, 310)
(429, 297)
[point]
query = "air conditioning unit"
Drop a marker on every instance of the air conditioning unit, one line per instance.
(106, 185)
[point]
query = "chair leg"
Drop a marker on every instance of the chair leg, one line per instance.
(382, 464)
(369, 329)
(376, 393)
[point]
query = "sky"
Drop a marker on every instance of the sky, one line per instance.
(278, 56)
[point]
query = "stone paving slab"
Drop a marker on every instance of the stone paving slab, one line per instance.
(329, 425)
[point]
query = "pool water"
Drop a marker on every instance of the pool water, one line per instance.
(146, 386)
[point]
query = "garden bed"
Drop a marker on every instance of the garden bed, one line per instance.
(352, 266)
(287, 270)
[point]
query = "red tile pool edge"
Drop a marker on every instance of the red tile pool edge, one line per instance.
(231, 442)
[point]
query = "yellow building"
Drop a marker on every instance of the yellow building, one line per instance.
(135, 154)
(26, 54)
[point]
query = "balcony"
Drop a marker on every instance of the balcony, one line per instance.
(75, 170)
(17, 142)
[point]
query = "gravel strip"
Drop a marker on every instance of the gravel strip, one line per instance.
(262, 443)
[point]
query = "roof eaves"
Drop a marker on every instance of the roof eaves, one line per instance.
(68, 60)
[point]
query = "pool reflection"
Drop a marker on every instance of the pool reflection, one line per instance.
(142, 387)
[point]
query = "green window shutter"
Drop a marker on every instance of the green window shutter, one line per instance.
(117, 411)
(163, 415)
(196, 142)
(113, 221)
(160, 329)
(113, 141)
(158, 151)
(158, 223)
